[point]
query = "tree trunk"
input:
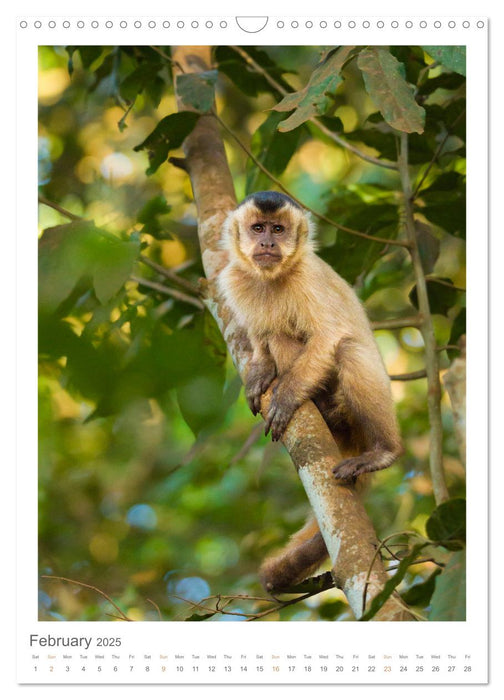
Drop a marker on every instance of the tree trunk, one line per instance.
(345, 526)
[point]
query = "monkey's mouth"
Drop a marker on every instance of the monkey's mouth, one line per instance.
(266, 259)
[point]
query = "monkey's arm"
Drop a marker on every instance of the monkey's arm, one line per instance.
(260, 374)
(301, 381)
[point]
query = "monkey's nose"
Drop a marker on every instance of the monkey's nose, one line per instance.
(268, 244)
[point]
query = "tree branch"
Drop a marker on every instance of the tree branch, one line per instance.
(427, 330)
(345, 526)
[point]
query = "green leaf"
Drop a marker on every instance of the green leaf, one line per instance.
(195, 617)
(73, 251)
(169, 134)
(389, 271)
(428, 246)
(447, 524)
(411, 61)
(351, 256)
(382, 597)
(144, 78)
(421, 593)
(448, 602)
(200, 393)
(442, 297)
(389, 90)
(273, 149)
(245, 77)
(445, 81)
(445, 203)
(457, 330)
(384, 142)
(315, 98)
(113, 266)
(197, 90)
(331, 609)
(151, 213)
(452, 57)
(62, 263)
(89, 54)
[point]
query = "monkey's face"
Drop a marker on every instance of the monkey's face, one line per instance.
(269, 240)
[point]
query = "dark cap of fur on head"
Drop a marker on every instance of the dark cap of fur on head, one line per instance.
(269, 202)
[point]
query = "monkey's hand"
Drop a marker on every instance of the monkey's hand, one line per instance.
(283, 404)
(259, 377)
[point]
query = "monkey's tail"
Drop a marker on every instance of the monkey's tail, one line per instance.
(298, 560)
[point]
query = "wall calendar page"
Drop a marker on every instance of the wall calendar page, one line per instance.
(252, 280)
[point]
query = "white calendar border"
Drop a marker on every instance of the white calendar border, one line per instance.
(279, 635)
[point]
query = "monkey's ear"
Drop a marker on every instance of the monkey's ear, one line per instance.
(306, 228)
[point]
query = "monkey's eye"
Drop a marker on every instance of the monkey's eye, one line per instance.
(258, 228)
(278, 229)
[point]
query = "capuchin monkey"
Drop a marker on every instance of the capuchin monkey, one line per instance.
(310, 337)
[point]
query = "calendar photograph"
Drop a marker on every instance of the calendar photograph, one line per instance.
(252, 333)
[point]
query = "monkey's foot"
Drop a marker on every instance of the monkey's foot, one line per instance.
(282, 407)
(259, 379)
(372, 461)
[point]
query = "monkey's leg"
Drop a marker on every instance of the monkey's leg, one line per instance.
(313, 363)
(300, 558)
(365, 387)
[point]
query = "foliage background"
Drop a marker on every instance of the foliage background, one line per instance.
(156, 483)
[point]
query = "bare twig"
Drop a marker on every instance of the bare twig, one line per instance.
(391, 324)
(168, 291)
(444, 283)
(57, 207)
(254, 436)
(122, 615)
(170, 60)
(170, 275)
(156, 606)
(381, 545)
(408, 376)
